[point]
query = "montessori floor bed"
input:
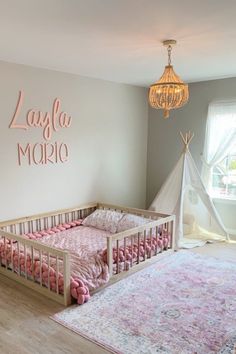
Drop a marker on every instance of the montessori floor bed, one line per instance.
(59, 256)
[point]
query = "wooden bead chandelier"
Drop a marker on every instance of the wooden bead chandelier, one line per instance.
(169, 92)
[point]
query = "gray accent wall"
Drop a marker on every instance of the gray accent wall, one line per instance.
(164, 143)
(107, 142)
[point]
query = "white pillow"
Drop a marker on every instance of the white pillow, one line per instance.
(106, 220)
(129, 221)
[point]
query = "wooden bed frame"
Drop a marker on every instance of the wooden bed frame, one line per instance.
(11, 231)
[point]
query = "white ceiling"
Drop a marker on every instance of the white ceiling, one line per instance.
(120, 40)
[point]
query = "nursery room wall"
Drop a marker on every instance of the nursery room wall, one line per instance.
(101, 156)
(165, 145)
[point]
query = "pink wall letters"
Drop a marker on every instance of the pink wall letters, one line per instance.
(49, 122)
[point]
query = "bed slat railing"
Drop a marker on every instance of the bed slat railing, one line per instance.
(131, 247)
(47, 270)
(41, 222)
(36, 266)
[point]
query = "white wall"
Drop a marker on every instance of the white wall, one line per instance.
(107, 142)
(164, 143)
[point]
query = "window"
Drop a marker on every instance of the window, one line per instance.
(224, 177)
(219, 156)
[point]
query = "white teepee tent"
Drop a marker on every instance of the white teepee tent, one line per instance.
(184, 195)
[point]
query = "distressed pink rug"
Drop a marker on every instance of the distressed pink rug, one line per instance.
(184, 304)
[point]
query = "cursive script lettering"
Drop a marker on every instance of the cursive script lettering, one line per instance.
(49, 122)
(18, 108)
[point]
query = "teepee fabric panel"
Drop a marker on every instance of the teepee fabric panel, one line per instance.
(168, 197)
(204, 209)
(184, 195)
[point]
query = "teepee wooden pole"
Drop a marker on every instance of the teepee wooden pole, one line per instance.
(183, 138)
(190, 137)
(186, 138)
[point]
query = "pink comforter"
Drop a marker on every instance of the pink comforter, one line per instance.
(85, 245)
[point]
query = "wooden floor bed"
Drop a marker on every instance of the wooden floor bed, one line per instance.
(17, 254)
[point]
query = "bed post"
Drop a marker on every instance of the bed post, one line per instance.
(174, 245)
(110, 255)
(66, 277)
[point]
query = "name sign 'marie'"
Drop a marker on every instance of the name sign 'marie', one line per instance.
(49, 122)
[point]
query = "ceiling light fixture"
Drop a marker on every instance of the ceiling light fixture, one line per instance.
(169, 92)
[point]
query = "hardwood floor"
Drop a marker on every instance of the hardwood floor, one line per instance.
(25, 326)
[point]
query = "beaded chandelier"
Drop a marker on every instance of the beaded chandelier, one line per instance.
(169, 92)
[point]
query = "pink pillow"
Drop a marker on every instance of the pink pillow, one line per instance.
(106, 220)
(129, 221)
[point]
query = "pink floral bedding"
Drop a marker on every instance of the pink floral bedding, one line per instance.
(88, 258)
(85, 245)
(88, 270)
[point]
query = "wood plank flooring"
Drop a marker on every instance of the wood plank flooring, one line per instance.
(25, 326)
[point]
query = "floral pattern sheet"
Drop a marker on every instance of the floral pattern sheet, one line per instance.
(85, 245)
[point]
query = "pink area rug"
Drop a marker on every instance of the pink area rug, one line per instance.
(184, 304)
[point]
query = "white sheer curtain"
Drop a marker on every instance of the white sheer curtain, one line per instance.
(220, 137)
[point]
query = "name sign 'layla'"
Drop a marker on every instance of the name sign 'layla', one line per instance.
(49, 122)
